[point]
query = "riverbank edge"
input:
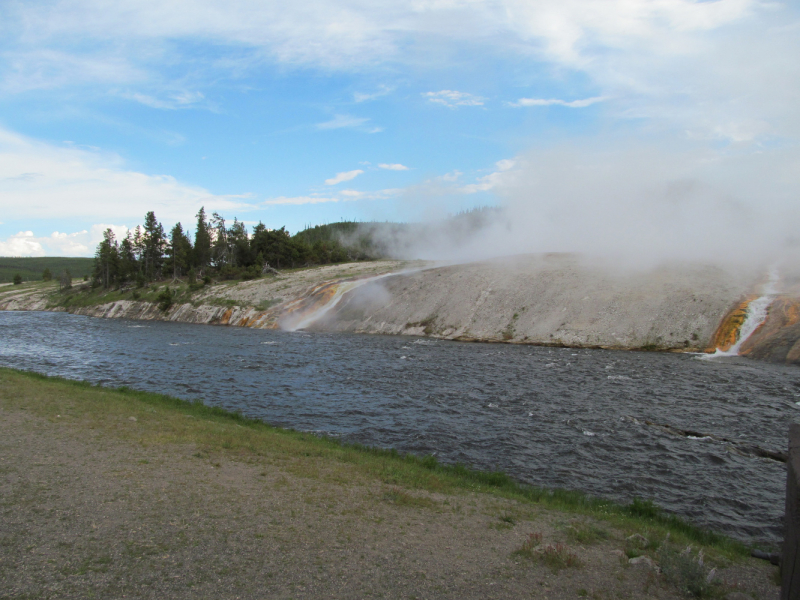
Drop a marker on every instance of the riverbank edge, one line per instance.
(233, 315)
(238, 436)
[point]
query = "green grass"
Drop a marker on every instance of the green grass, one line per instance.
(165, 420)
(31, 268)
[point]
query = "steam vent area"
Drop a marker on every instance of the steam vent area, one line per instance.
(555, 299)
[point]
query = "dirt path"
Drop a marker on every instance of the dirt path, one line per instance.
(85, 513)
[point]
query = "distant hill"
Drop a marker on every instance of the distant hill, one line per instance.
(31, 268)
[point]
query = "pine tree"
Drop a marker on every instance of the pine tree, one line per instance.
(154, 245)
(128, 265)
(239, 244)
(202, 242)
(220, 251)
(46, 274)
(179, 250)
(106, 261)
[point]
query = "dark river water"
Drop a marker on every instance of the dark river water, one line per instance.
(547, 416)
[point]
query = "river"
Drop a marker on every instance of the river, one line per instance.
(553, 417)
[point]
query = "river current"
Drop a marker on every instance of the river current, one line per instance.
(553, 417)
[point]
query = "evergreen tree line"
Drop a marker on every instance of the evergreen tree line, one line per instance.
(148, 253)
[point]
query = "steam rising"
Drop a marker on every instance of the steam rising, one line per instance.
(634, 205)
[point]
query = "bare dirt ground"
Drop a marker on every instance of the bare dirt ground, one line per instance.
(88, 513)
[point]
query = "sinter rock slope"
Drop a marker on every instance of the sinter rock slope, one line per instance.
(537, 299)
(550, 299)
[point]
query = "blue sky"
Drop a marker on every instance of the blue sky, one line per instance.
(327, 110)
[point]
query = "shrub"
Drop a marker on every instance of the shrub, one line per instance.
(17, 278)
(556, 557)
(165, 298)
(686, 572)
(47, 275)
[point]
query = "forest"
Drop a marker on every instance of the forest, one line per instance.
(215, 248)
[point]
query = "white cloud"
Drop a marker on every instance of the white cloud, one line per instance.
(345, 176)
(342, 121)
(80, 243)
(571, 104)
(491, 180)
(21, 244)
(451, 176)
(393, 167)
(44, 181)
(452, 98)
(706, 67)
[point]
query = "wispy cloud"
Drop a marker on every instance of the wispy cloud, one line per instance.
(393, 167)
(452, 98)
(342, 196)
(184, 99)
(383, 90)
(371, 195)
(345, 176)
(342, 121)
(554, 101)
(299, 200)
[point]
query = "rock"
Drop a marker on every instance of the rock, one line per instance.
(643, 560)
(132, 419)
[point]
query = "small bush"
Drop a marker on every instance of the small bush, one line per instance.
(556, 557)
(559, 557)
(530, 545)
(207, 280)
(17, 278)
(47, 275)
(686, 572)
(165, 298)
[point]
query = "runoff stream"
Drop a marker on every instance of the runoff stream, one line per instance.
(555, 417)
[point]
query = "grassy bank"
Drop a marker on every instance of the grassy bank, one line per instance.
(163, 421)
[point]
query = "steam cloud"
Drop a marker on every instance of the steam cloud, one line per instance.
(631, 204)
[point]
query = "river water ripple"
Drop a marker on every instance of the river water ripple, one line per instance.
(547, 416)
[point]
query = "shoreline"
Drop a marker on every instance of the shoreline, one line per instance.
(547, 301)
(443, 512)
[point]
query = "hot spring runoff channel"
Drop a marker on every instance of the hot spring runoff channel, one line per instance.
(548, 416)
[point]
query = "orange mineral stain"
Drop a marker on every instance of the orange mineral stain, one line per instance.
(728, 330)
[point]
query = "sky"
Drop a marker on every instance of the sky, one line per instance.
(621, 126)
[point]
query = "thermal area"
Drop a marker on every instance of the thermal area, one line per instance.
(742, 322)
